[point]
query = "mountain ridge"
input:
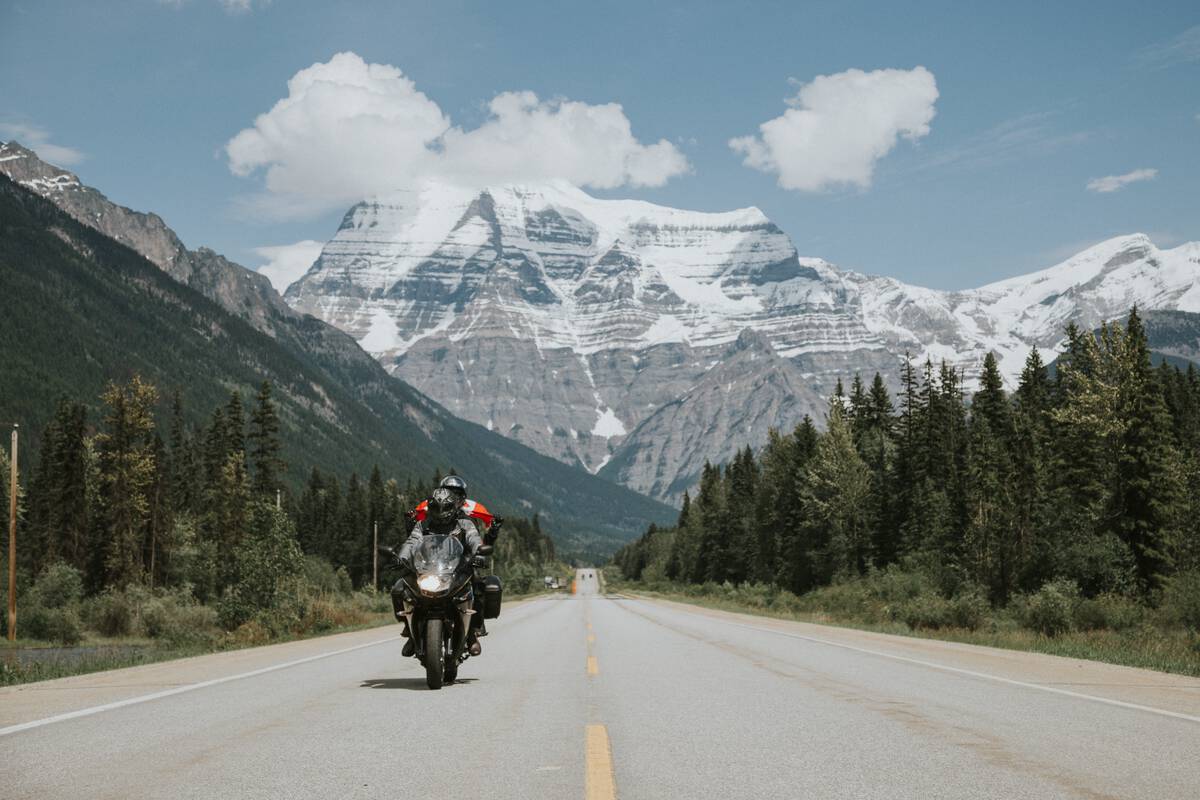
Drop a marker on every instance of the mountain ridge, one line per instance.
(395, 424)
(599, 313)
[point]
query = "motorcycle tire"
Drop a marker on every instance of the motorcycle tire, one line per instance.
(435, 654)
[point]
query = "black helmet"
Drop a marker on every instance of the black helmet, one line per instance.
(456, 485)
(444, 506)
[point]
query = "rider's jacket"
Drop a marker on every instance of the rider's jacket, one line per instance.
(471, 508)
(466, 532)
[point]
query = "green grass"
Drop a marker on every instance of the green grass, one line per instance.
(1148, 646)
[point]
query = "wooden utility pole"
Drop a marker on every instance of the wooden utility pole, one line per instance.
(375, 560)
(12, 540)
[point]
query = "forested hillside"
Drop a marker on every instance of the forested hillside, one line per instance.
(1087, 483)
(82, 309)
(122, 515)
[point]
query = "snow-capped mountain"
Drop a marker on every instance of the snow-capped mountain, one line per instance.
(566, 321)
(1012, 316)
(640, 340)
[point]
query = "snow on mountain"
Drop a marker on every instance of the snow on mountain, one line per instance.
(592, 329)
(565, 320)
(1012, 316)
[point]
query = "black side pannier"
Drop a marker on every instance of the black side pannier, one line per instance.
(491, 596)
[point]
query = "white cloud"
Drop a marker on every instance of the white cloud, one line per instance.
(243, 6)
(1111, 183)
(230, 6)
(38, 140)
(1033, 135)
(840, 125)
(1180, 49)
(348, 129)
(286, 263)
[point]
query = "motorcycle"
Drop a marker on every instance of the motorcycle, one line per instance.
(436, 597)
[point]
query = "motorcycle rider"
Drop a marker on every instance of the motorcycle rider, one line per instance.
(472, 508)
(444, 517)
(475, 510)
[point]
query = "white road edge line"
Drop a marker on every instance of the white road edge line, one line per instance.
(969, 672)
(145, 698)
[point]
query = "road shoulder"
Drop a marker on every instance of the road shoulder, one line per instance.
(1174, 694)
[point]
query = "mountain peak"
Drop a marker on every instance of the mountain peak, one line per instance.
(23, 166)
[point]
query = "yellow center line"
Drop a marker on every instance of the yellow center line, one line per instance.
(599, 784)
(593, 666)
(591, 638)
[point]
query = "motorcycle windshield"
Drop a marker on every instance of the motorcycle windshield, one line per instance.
(437, 555)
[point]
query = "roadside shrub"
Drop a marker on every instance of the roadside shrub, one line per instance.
(787, 601)
(755, 595)
(1108, 612)
(897, 584)
(968, 610)
(176, 617)
(112, 613)
(1181, 600)
(250, 633)
(925, 612)
(373, 602)
(1051, 610)
(519, 578)
(849, 599)
(61, 625)
(320, 575)
(60, 585)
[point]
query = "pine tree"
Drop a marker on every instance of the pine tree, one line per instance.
(310, 515)
(875, 438)
(182, 489)
(712, 555)
(834, 495)
(674, 568)
(235, 424)
(1031, 482)
(795, 564)
(264, 444)
(741, 486)
(1080, 541)
(355, 529)
(127, 476)
(991, 541)
(1148, 474)
(229, 501)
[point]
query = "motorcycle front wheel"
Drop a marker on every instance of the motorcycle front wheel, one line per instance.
(435, 654)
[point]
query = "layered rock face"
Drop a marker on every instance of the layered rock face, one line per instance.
(638, 340)
(567, 322)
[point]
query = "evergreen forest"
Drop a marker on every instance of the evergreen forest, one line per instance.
(1073, 497)
(132, 526)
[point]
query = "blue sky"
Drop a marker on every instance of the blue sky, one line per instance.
(979, 168)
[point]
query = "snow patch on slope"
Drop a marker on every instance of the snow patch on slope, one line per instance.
(607, 424)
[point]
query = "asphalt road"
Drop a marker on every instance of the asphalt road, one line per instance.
(594, 696)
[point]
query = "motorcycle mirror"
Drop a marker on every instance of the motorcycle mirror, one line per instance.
(484, 550)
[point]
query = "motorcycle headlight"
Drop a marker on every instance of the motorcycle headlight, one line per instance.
(433, 584)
